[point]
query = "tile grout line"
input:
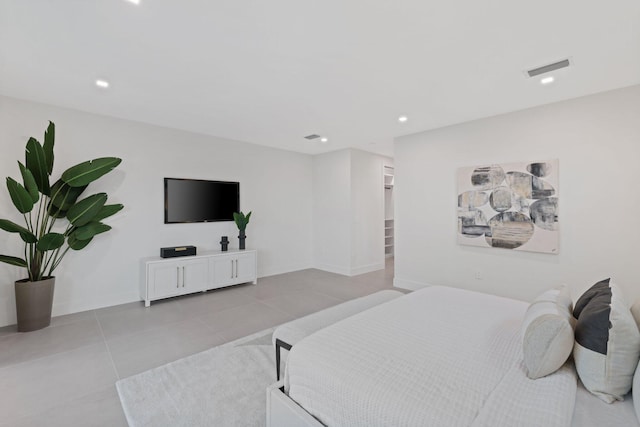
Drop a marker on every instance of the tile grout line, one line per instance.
(57, 353)
(106, 344)
(279, 309)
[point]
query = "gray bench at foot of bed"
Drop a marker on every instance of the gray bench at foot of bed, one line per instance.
(288, 334)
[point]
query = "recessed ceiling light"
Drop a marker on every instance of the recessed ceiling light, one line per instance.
(102, 83)
(134, 1)
(403, 119)
(323, 139)
(547, 80)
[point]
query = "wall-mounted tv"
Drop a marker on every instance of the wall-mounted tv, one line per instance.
(196, 200)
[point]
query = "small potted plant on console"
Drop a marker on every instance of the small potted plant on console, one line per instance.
(241, 221)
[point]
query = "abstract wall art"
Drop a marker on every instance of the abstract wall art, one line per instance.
(509, 206)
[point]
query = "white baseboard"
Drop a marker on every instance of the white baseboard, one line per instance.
(350, 271)
(367, 269)
(409, 284)
(333, 269)
(266, 272)
(69, 307)
(8, 317)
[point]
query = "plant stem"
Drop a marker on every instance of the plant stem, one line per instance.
(55, 264)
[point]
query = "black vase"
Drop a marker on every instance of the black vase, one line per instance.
(242, 237)
(224, 243)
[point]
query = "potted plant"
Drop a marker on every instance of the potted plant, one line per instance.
(46, 241)
(241, 221)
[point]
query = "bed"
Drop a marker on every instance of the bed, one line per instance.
(436, 357)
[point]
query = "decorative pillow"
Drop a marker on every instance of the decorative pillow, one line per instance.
(547, 332)
(635, 312)
(607, 345)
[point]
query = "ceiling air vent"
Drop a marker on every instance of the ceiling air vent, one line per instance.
(312, 137)
(547, 68)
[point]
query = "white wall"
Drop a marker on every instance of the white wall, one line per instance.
(276, 185)
(332, 211)
(597, 141)
(367, 203)
(348, 213)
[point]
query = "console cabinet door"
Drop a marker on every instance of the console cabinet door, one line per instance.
(195, 275)
(165, 280)
(245, 268)
(223, 269)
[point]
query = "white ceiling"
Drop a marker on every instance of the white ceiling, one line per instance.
(271, 72)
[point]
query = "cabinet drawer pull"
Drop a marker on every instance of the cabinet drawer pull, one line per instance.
(177, 277)
(183, 281)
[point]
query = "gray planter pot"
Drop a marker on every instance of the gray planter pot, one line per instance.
(33, 303)
(242, 237)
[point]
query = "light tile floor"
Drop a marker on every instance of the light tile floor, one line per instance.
(65, 375)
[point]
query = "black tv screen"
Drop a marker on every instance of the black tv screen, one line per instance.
(195, 200)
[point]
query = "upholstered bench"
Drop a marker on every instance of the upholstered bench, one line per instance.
(288, 334)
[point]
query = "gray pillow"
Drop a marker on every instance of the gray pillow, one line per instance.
(607, 345)
(547, 332)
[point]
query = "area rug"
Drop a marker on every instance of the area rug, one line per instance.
(223, 386)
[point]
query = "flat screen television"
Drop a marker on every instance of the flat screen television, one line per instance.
(196, 200)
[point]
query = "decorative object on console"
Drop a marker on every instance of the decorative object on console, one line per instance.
(224, 243)
(177, 251)
(241, 221)
(547, 332)
(42, 204)
(510, 206)
(607, 347)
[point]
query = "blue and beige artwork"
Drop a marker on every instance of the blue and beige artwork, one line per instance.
(509, 206)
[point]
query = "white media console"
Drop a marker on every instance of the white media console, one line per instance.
(170, 277)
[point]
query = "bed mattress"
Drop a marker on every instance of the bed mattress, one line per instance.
(436, 357)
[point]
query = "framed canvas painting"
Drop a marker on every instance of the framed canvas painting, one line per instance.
(510, 206)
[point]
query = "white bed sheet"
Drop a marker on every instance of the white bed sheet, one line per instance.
(437, 357)
(590, 411)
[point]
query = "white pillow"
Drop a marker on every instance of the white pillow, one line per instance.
(547, 332)
(635, 312)
(607, 345)
(635, 388)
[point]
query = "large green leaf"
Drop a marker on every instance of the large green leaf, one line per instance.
(28, 237)
(13, 260)
(85, 210)
(87, 172)
(29, 182)
(56, 212)
(12, 227)
(19, 196)
(107, 211)
(50, 241)
(49, 138)
(63, 195)
(88, 231)
(76, 244)
(37, 164)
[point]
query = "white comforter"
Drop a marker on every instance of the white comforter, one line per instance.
(436, 357)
